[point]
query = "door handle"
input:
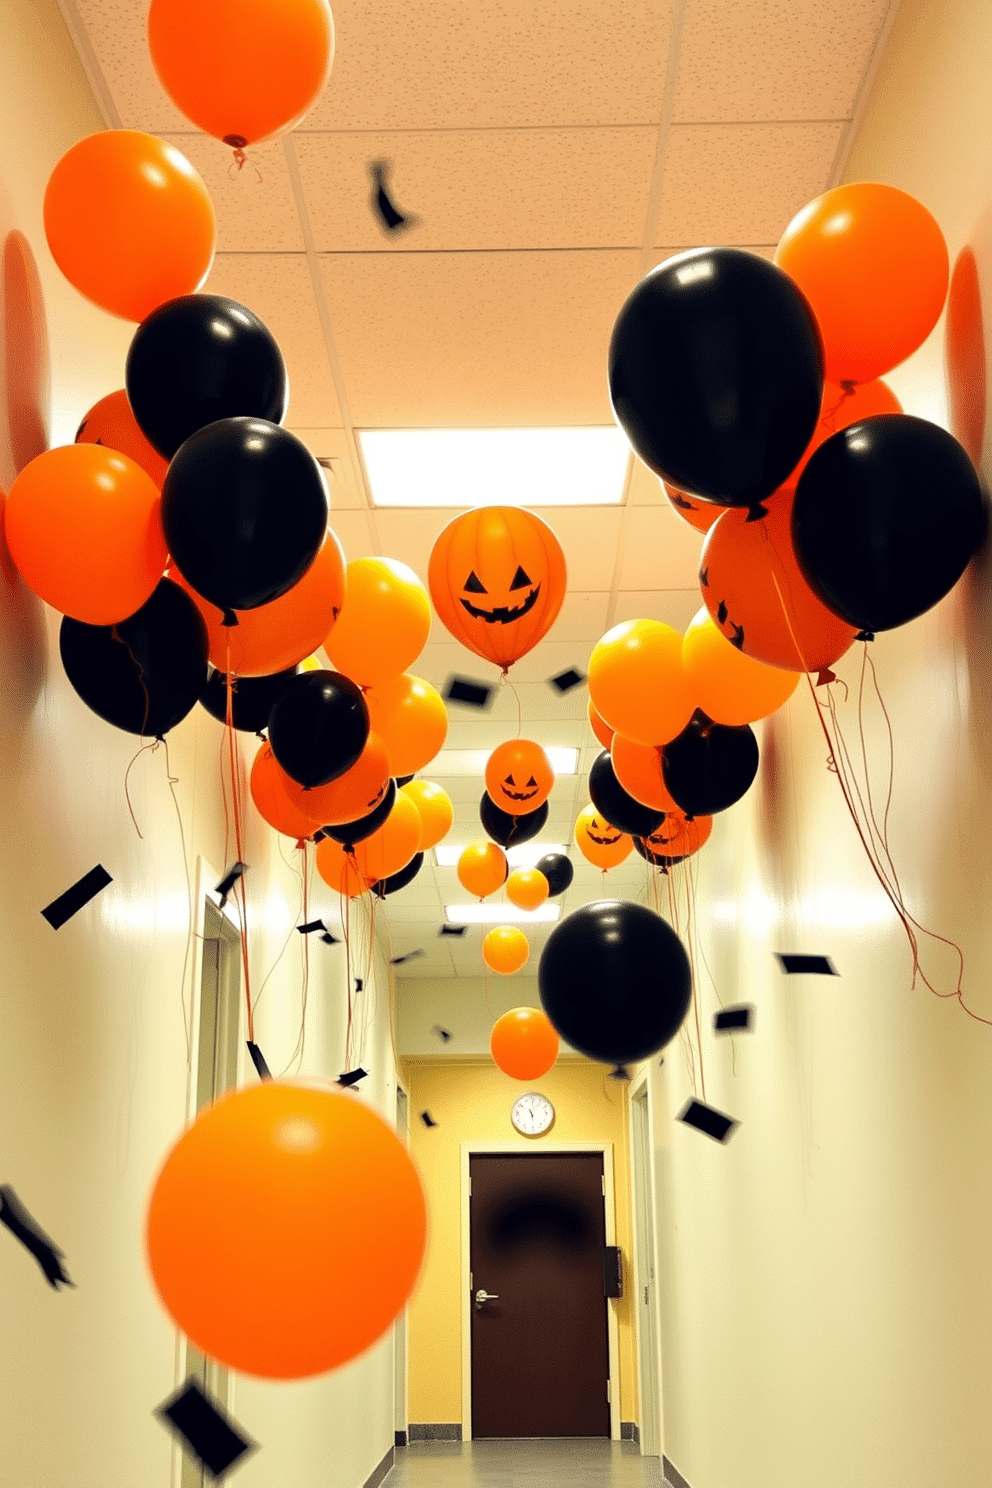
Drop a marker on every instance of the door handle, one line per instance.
(483, 1296)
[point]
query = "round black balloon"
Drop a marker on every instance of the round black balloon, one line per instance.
(397, 881)
(505, 828)
(886, 516)
(252, 698)
(709, 766)
(244, 509)
(145, 673)
(558, 870)
(197, 359)
(716, 374)
(318, 728)
(614, 980)
(348, 833)
(657, 860)
(616, 805)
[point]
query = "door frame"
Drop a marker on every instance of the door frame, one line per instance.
(550, 1149)
(641, 1089)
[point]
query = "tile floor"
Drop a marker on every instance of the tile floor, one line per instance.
(576, 1461)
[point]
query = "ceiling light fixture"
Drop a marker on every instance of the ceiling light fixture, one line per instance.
(500, 914)
(527, 855)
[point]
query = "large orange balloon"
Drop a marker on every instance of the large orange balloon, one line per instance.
(338, 869)
(505, 949)
(599, 726)
(112, 424)
(839, 409)
(286, 1229)
(434, 809)
(497, 578)
(482, 869)
(410, 718)
(519, 776)
(393, 845)
(524, 1044)
(242, 70)
(598, 842)
(873, 264)
(269, 785)
(278, 635)
(129, 221)
(730, 687)
(752, 586)
(84, 528)
(637, 684)
(352, 795)
(527, 888)
(699, 514)
(384, 623)
(638, 769)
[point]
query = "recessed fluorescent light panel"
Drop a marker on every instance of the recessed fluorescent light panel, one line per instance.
(527, 855)
(500, 914)
(473, 761)
(503, 467)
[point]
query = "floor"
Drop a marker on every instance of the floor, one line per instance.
(578, 1461)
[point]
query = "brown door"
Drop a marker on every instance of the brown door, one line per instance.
(540, 1357)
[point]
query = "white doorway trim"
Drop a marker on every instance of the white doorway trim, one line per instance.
(645, 1270)
(511, 1149)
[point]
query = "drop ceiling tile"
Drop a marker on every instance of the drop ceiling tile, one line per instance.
(480, 189)
(353, 532)
(116, 31)
(741, 183)
(343, 478)
(582, 618)
(256, 212)
(774, 59)
(589, 536)
(442, 64)
(675, 607)
(645, 487)
(660, 551)
(278, 288)
(476, 340)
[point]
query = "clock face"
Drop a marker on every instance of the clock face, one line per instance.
(532, 1114)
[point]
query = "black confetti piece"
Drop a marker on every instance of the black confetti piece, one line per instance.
(71, 902)
(352, 1077)
(452, 930)
(733, 1019)
(311, 926)
(427, 1118)
(410, 956)
(443, 1034)
(328, 939)
(229, 880)
(470, 693)
(258, 1060)
(207, 1433)
(27, 1230)
(707, 1120)
(359, 984)
(565, 681)
(794, 965)
(392, 219)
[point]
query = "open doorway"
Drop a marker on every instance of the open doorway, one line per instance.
(646, 1300)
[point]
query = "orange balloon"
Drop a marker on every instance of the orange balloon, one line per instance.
(286, 1229)
(434, 809)
(519, 776)
(753, 588)
(352, 795)
(84, 529)
(497, 578)
(873, 264)
(730, 687)
(598, 842)
(281, 634)
(636, 681)
(677, 837)
(129, 221)
(482, 869)
(384, 623)
(338, 869)
(599, 727)
(527, 888)
(112, 424)
(638, 769)
(410, 718)
(242, 70)
(393, 845)
(269, 785)
(505, 949)
(839, 409)
(699, 514)
(524, 1044)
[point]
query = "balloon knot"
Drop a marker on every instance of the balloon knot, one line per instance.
(262, 736)
(865, 635)
(230, 618)
(848, 384)
(301, 842)
(756, 512)
(824, 676)
(237, 143)
(159, 738)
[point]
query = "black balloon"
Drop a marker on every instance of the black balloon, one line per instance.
(716, 374)
(614, 980)
(145, 673)
(886, 516)
(244, 509)
(505, 828)
(709, 766)
(657, 860)
(318, 728)
(397, 881)
(402, 780)
(557, 869)
(616, 805)
(348, 833)
(197, 359)
(252, 698)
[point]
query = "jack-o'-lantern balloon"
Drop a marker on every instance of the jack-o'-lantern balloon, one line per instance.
(352, 795)
(497, 578)
(519, 776)
(112, 424)
(677, 837)
(598, 842)
(699, 514)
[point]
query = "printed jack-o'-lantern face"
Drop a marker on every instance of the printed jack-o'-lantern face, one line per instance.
(519, 777)
(676, 838)
(344, 800)
(497, 579)
(598, 842)
(111, 423)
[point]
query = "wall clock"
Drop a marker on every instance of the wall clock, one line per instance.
(532, 1114)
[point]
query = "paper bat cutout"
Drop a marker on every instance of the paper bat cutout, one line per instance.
(258, 1060)
(20, 1224)
(71, 902)
(206, 1432)
(228, 881)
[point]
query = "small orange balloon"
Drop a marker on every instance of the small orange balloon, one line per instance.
(129, 222)
(84, 529)
(112, 424)
(599, 727)
(638, 769)
(505, 949)
(286, 1229)
(524, 1044)
(873, 264)
(269, 784)
(699, 514)
(482, 869)
(338, 869)
(637, 684)
(527, 888)
(434, 809)
(730, 687)
(677, 837)
(281, 634)
(393, 845)
(410, 718)
(519, 776)
(352, 795)
(598, 842)
(384, 623)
